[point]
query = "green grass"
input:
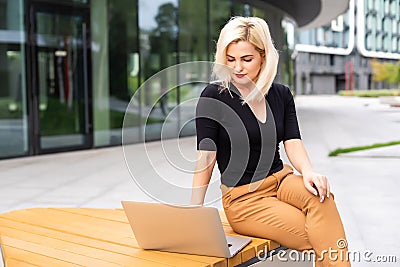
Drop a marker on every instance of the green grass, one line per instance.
(338, 151)
(370, 93)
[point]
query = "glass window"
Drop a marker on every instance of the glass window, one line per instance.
(219, 14)
(393, 8)
(313, 37)
(369, 23)
(304, 37)
(335, 34)
(387, 28)
(398, 44)
(13, 113)
(368, 42)
(257, 12)
(158, 26)
(287, 51)
(394, 45)
(320, 36)
(193, 47)
(378, 24)
(379, 6)
(398, 11)
(386, 44)
(378, 43)
(193, 39)
(60, 55)
(370, 4)
(115, 63)
(79, 1)
(387, 6)
(328, 36)
(240, 9)
(337, 39)
(100, 75)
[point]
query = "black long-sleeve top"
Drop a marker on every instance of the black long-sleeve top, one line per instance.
(247, 149)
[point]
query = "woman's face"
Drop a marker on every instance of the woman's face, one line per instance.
(244, 61)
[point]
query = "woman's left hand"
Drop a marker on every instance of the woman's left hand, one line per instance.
(317, 184)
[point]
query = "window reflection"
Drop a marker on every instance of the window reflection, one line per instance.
(13, 114)
(158, 50)
(193, 47)
(115, 60)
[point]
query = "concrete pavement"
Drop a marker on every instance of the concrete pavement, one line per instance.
(365, 183)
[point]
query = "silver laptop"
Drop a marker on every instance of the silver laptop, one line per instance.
(191, 230)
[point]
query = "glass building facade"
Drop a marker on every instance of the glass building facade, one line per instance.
(68, 68)
(381, 31)
(337, 56)
(336, 37)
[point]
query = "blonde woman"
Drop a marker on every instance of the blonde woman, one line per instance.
(240, 122)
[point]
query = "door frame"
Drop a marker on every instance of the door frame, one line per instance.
(61, 8)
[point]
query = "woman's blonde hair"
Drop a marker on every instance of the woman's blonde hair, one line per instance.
(256, 31)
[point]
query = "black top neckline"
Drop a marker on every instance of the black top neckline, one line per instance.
(237, 92)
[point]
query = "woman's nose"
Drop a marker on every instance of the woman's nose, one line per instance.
(238, 67)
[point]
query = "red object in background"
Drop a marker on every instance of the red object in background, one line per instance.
(349, 75)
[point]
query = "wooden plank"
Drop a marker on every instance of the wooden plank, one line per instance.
(121, 246)
(17, 254)
(18, 263)
(86, 227)
(273, 245)
(89, 241)
(235, 260)
(248, 254)
(117, 248)
(125, 250)
(107, 214)
(55, 253)
(213, 261)
(119, 215)
(83, 249)
(75, 224)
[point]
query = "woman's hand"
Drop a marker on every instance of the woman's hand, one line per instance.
(317, 184)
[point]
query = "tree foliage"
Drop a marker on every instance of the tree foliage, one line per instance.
(385, 71)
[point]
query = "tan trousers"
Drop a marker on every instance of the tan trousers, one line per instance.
(280, 208)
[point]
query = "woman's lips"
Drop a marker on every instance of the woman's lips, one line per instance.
(240, 75)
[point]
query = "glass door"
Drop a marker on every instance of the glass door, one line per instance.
(60, 78)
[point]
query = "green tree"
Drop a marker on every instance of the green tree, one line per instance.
(385, 72)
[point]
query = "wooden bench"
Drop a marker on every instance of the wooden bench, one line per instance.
(96, 237)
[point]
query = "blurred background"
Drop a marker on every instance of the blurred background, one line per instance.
(68, 68)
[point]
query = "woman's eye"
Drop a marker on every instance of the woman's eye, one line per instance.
(230, 60)
(247, 60)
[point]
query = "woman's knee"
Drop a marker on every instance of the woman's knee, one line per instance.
(293, 192)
